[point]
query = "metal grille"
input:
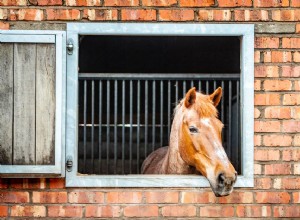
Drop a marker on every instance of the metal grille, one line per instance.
(125, 117)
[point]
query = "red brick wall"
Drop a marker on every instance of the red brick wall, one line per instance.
(277, 114)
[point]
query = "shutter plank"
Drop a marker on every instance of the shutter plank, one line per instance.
(24, 104)
(6, 103)
(45, 104)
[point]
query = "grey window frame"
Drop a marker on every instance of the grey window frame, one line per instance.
(58, 38)
(245, 31)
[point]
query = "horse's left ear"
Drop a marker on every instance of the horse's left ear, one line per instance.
(216, 96)
(190, 97)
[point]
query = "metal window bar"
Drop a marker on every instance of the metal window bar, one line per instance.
(114, 140)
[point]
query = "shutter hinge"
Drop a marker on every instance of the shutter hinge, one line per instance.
(70, 46)
(69, 164)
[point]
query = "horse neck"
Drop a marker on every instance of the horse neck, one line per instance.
(173, 161)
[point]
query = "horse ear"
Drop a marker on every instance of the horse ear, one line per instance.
(216, 96)
(190, 97)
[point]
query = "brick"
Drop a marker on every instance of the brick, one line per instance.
(290, 71)
(272, 197)
(296, 169)
(297, 140)
(257, 113)
(162, 197)
(97, 211)
(253, 211)
(179, 211)
(296, 112)
(65, 211)
(13, 2)
(57, 183)
(267, 99)
(295, 3)
(28, 211)
(63, 14)
(198, 197)
(278, 112)
(297, 28)
(176, 15)
(3, 211)
(49, 2)
(256, 56)
(277, 85)
(217, 211)
(267, 126)
(138, 14)
(14, 197)
(83, 2)
(141, 211)
(251, 15)
(266, 155)
(158, 3)
(196, 3)
(297, 85)
(291, 155)
(4, 26)
(31, 183)
(291, 99)
(257, 169)
(266, 71)
(4, 183)
(266, 42)
(49, 197)
(214, 15)
(235, 3)
(257, 85)
(291, 211)
(296, 197)
(267, 56)
(286, 15)
(291, 126)
(237, 197)
(277, 140)
(86, 197)
(275, 28)
(278, 169)
(26, 15)
(124, 197)
(271, 3)
(281, 56)
(263, 183)
(3, 14)
(296, 57)
(119, 3)
(291, 42)
(257, 140)
(100, 14)
(290, 183)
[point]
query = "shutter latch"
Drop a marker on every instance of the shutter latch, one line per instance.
(69, 164)
(70, 46)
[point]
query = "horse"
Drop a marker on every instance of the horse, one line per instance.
(195, 145)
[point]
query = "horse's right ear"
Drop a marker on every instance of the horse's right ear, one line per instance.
(190, 97)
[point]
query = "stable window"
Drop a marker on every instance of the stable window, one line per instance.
(129, 77)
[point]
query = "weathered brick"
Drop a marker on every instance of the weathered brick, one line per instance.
(297, 28)
(197, 197)
(266, 155)
(217, 211)
(57, 183)
(257, 140)
(257, 113)
(65, 211)
(83, 2)
(141, 211)
(14, 197)
(138, 14)
(4, 26)
(291, 211)
(237, 197)
(28, 183)
(196, 3)
(214, 15)
(49, 197)
(291, 99)
(162, 197)
(277, 85)
(281, 56)
(13, 2)
(271, 3)
(296, 197)
(49, 2)
(290, 183)
(3, 211)
(100, 14)
(86, 197)
(179, 211)
(263, 183)
(278, 169)
(267, 126)
(267, 99)
(251, 15)
(291, 155)
(176, 15)
(3, 14)
(290, 71)
(272, 197)
(28, 211)
(296, 169)
(26, 14)
(63, 14)
(124, 197)
(119, 3)
(235, 3)
(256, 56)
(296, 57)
(97, 211)
(286, 15)
(297, 140)
(278, 112)
(158, 3)
(266, 71)
(275, 28)
(267, 56)
(297, 85)
(253, 211)
(266, 42)
(291, 126)
(275, 140)
(257, 85)
(295, 3)
(257, 169)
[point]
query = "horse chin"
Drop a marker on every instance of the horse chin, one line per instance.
(222, 192)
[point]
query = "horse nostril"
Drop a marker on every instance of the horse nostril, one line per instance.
(221, 179)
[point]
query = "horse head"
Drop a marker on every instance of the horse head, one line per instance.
(200, 140)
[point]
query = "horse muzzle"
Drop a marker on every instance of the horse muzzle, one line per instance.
(224, 185)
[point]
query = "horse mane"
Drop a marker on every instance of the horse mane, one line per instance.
(203, 105)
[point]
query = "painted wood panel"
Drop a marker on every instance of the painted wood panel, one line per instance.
(24, 104)
(45, 104)
(6, 103)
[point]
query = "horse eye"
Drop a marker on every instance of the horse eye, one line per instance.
(193, 130)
